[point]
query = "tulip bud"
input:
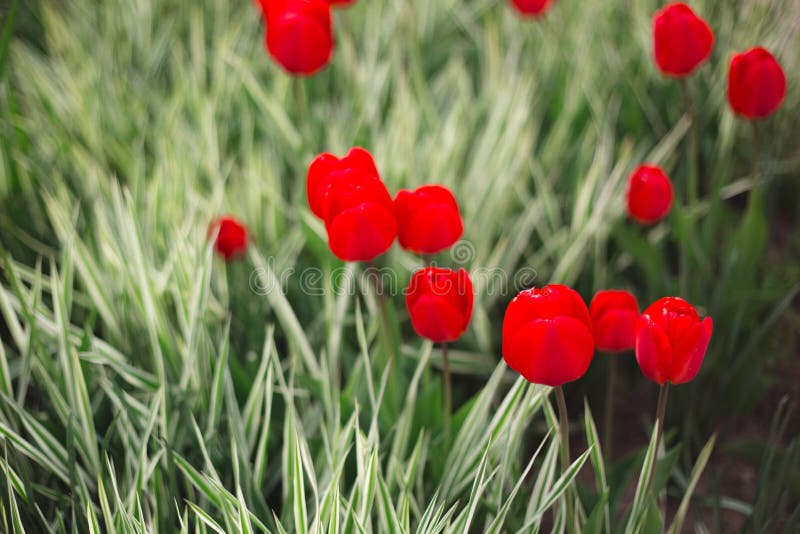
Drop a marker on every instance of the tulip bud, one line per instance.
(439, 302)
(756, 83)
(547, 335)
(682, 40)
(671, 341)
(231, 237)
(428, 219)
(649, 195)
(614, 314)
(299, 34)
(531, 8)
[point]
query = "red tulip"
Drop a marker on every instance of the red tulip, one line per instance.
(682, 40)
(756, 83)
(547, 335)
(649, 194)
(531, 8)
(428, 219)
(671, 341)
(327, 170)
(299, 34)
(614, 314)
(231, 237)
(439, 302)
(349, 196)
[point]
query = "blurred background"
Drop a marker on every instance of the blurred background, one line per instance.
(127, 126)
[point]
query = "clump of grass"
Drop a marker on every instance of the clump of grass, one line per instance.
(144, 385)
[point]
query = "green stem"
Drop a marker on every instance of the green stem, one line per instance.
(563, 420)
(447, 396)
(755, 191)
(392, 388)
(299, 102)
(660, 411)
(693, 185)
(611, 395)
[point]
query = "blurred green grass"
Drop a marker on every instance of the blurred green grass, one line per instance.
(127, 126)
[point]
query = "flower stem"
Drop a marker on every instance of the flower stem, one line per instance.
(693, 185)
(392, 387)
(755, 191)
(447, 396)
(662, 408)
(563, 420)
(299, 102)
(608, 419)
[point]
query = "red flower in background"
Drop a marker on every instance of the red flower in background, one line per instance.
(428, 219)
(349, 196)
(230, 237)
(682, 40)
(547, 335)
(531, 8)
(671, 341)
(299, 34)
(756, 83)
(649, 195)
(614, 313)
(439, 302)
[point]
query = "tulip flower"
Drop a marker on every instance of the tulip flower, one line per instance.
(649, 195)
(428, 219)
(531, 8)
(671, 341)
(682, 40)
(439, 302)
(230, 237)
(614, 314)
(348, 195)
(299, 34)
(547, 335)
(756, 83)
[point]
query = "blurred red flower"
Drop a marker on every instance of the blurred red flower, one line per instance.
(439, 302)
(614, 313)
(756, 83)
(671, 341)
(299, 34)
(547, 335)
(230, 237)
(531, 8)
(649, 195)
(428, 219)
(682, 40)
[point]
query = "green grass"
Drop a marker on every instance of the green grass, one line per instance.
(144, 384)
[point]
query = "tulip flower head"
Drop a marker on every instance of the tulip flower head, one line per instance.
(349, 196)
(614, 314)
(299, 34)
(547, 335)
(439, 302)
(756, 83)
(531, 8)
(671, 341)
(682, 40)
(428, 219)
(230, 237)
(649, 195)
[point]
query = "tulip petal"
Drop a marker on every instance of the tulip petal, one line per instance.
(691, 352)
(437, 319)
(615, 330)
(362, 233)
(550, 351)
(653, 350)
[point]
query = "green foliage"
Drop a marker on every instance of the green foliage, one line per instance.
(147, 386)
